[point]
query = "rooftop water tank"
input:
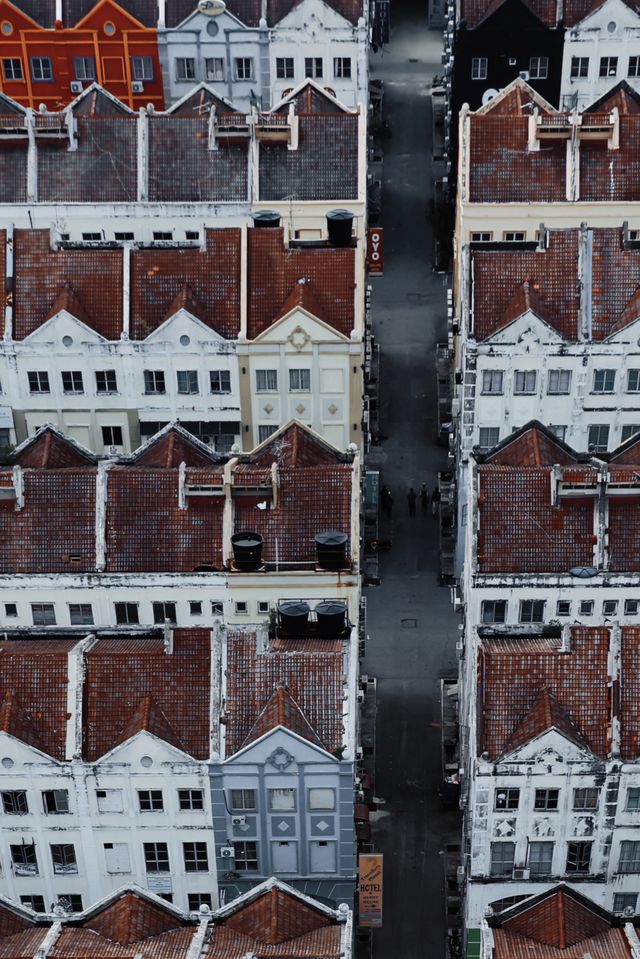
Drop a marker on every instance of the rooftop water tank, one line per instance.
(331, 616)
(293, 617)
(340, 227)
(266, 218)
(247, 551)
(331, 548)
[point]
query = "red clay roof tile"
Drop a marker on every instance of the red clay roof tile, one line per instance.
(282, 710)
(132, 919)
(169, 449)
(546, 713)
(49, 449)
(276, 918)
(531, 446)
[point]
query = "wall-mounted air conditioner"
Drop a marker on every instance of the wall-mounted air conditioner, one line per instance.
(76, 86)
(238, 820)
(227, 852)
(137, 86)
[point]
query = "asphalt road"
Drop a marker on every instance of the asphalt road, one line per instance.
(409, 317)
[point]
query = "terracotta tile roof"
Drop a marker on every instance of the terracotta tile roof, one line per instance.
(170, 448)
(250, 11)
(158, 276)
(185, 299)
(282, 710)
(22, 945)
(616, 276)
(120, 673)
(314, 680)
(40, 272)
(67, 299)
(295, 445)
(13, 169)
(577, 10)
(524, 299)
(274, 270)
(533, 445)
(624, 532)
(96, 101)
(18, 723)
(78, 943)
(49, 449)
(512, 680)
(628, 454)
(200, 102)
(12, 922)
(630, 693)
(35, 673)
(474, 12)
(545, 713)
(302, 296)
(131, 918)
(622, 96)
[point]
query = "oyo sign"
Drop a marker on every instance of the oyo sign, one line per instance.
(375, 250)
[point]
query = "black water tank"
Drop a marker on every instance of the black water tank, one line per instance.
(340, 227)
(266, 218)
(331, 617)
(293, 617)
(331, 548)
(247, 551)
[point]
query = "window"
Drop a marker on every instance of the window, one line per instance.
(492, 381)
(502, 856)
(586, 607)
(154, 382)
(43, 614)
(24, 859)
(197, 899)
(525, 381)
(506, 798)
(190, 799)
(578, 857)
(494, 611)
(10, 609)
(481, 237)
(531, 610)
(300, 380)
(242, 608)
(191, 235)
(563, 607)
(214, 68)
(156, 857)
(70, 902)
(628, 431)
(243, 67)
(196, 858)
(559, 382)
(342, 68)
(479, 68)
(631, 607)
(141, 68)
(540, 858)
(585, 798)
(41, 68)
(55, 801)
(220, 381)
(243, 799)
(633, 381)
(64, 861)
(546, 799)
(629, 857)
(106, 381)
(246, 856)
(608, 67)
(163, 235)
(92, 237)
(80, 614)
(116, 856)
(163, 612)
(124, 237)
(112, 435)
(12, 68)
(126, 614)
(515, 236)
(14, 802)
(38, 382)
(84, 68)
(217, 609)
(72, 381)
(488, 437)
(634, 67)
(150, 800)
(109, 800)
(625, 902)
(284, 68)
(610, 607)
(633, 797)
(195, 608)
(185, 68)
(33, 902)
(313, 67)
(604, 381)
(264, 432)
(281, 799)
(598, 438)
(263, 607)
(579, 67)
(266, 380)
(538, 68)
(187, 381)
(321, 798)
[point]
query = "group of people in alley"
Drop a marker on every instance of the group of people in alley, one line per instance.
(386, 500)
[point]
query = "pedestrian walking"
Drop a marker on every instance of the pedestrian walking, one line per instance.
(435, 501)
(411, 500)
(424, 497)
(386, 501)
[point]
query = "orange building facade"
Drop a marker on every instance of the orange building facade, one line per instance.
(52, 66)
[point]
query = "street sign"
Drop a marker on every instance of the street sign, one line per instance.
(375, 251)
(370, 889)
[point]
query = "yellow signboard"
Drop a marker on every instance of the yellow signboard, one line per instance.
(370, 889)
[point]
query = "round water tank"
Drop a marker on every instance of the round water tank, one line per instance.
(266, 218)
(247, 551)
(340, 227)
(331, 548)
(293, 616)
(331, 617)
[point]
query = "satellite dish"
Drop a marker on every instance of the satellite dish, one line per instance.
(584, 572)
(211, 8)
(488, 95)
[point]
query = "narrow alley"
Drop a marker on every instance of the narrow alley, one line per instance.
(409, 318)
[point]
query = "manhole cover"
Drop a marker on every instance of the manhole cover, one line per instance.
(409, 623)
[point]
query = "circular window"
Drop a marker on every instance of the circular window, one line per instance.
(146, 761)
(212, 28)
(185, 340)
(67, 341)
(7, 27)
(109, 28)
(7, 762)
(612, 26)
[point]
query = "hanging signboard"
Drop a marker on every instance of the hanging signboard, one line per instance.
(370, 889)
(375, 250)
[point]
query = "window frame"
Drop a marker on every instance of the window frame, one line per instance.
(582, 794)
(558, 390)
(285, 68)
(186, 800)
(608, 68)
(339, 71)
(622, 909)
(167, 610)
(313, 68)
(156, 858)
(128, 608)
(83, 74)
(40, 383)
(632, 801)
(70, 381)
(606, 375)
(535, 605)
(493, 603)
(63, 859)
(48, 611)
(56, 798)
(139, 72)
(586, 607)
(106, 375)
(544, 799)
(195, 856)
(635, 73)
(631, 607)
(19, 796)
(155, 382)
(216, 61)
(239, 69)
(12, 61)
(40, 61)
(563, 603)
(580, 846)
(224, 376)
(242, 798)
(189, 64)
(24, 856)
(537, 865)
(150, 800)
(246, 855)
(538, 68)
(302, 375)
(115, 432)
(598, 447)
(267, 376)
(489, 378)
(526, 375)
(479, 68)
(579, 69)
(511, 793)
(323, 808)
(503, 861)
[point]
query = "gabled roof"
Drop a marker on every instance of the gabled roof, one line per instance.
(127, 8)
(17, 723)
(277, 917)
(295, 444)
(546, 713)
(96, 101)
(129, 917)
(524, 299)
(630, 313)
(50, 448)
(628, 453)
(477, 12)
(42, 13)
(309, 98)
(67, 299)
(532, 445)
(282, 710)
(185, 299)
(199, 101)
(148, 717)
(301, 296)
(249, 12)
(172, 446)
(10, 107)
(516, 98)
(622, 96)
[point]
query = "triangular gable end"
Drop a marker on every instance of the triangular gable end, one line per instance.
(545, 714)
(282, 710)
(516, 98)
(528, 326)
(550, 742)
(629, 315)
(286, 328)
(309, 97)
(326, 13)
(11, 107)
(171, 446)
(295, 444)
(29, 22)
(559, 918)
(130, 916)
(628, 453)
(621, 95)
(50, 448)
(182, 322)
(158, 747)
(148, 717)
(95, 100)
(97, 10)
(605, 11)
(531, 445)
(200, 99)
(276, 917)
(61, 324)
(278, 737)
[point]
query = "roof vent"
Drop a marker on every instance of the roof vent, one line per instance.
(331, 548)
(340, 227)
(247, 551)
(293, 617)
(266, 218)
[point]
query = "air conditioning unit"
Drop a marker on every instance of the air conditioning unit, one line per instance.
(519, 873)
(359, 752)
(76, 86)
(238, 820)
(227, 852)
(137, 86)
(361, 695)
(524, 74)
